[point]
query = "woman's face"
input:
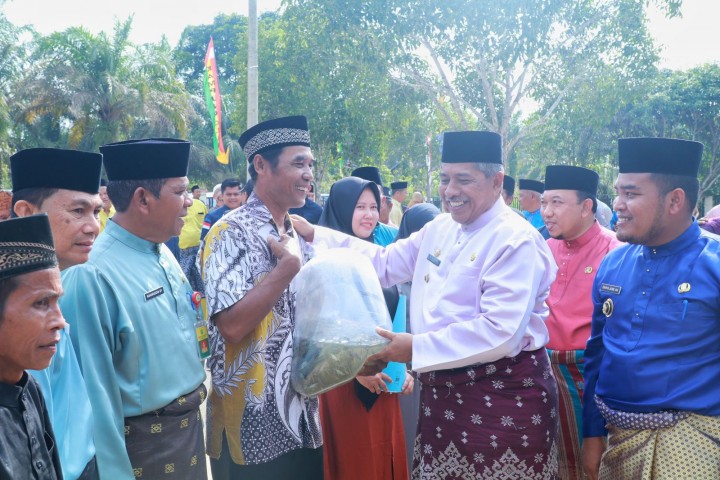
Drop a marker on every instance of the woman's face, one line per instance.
(366, 215)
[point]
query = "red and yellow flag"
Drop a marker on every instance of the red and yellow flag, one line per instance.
(214, 103)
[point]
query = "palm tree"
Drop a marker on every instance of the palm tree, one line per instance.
(84, 90)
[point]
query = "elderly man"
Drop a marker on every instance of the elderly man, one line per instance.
(530, 193)
(64, 184)
(259, 427)
(652, 375)
(30, 326)
(578, 245)
(135, 330)
(480, 276)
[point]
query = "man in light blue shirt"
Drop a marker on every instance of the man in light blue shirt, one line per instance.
(64, 184)
(530, 192)
(135, 334)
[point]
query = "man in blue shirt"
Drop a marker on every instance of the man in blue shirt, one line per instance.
(136, 333)
(311, 211)
(64, 184)
(233, 195)
(651, 372)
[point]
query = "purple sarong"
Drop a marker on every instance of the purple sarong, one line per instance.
(493, 420)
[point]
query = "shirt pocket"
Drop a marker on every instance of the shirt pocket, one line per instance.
(461, 291)
(693, 329)
(49, 443)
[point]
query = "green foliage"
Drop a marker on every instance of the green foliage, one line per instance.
(560, 80)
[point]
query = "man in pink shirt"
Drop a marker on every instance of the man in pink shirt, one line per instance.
(579, 244)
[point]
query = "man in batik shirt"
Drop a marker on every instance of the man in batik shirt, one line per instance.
(258, 426)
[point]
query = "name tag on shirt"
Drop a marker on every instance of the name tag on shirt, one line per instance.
(434, 260)
(607, 288)
(154, 293)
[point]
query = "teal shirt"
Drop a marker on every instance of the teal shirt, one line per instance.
(133, 333)
(535, 218)
(384, 235)
(68, 406)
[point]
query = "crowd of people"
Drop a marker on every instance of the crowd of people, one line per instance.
(539, 343)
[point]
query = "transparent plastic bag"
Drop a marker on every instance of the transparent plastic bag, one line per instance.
(339, 304)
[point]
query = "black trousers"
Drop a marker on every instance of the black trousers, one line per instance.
(301, 464)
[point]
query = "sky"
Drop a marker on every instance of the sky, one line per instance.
(688, 41)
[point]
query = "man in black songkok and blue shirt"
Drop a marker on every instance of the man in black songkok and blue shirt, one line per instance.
(652, 374)
(64, 184)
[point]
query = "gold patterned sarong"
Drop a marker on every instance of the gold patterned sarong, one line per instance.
(168, 443)
(688, 450)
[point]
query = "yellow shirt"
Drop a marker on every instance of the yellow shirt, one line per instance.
(190, 234)
(103, 217)
(396, 213)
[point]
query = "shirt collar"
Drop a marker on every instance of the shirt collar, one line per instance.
(485, 218)
(585, 238)
(10, 394)
(130, 239)
(257, 209)
(679, 244)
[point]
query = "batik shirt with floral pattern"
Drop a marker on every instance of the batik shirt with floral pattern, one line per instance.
(252, 400)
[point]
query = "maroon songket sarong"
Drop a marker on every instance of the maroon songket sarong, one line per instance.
(493, 420)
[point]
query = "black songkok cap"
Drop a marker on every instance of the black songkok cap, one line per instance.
(398, 185)
(534, 185)
(145, 159)
(275, 133)
(472, 147)
(668, 156)
(371, 174)
(566, 177)
(26, 245)
(56, 168)
(509, 184)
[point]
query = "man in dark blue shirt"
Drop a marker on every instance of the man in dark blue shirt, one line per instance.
(651, 373)
(311, 211)
(233, 196)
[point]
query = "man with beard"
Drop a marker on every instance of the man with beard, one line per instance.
(578, 244)
(651, 371)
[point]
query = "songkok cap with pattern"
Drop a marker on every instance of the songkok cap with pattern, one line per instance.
(567, 177)
(398, 185)
(534, 185)
(56, 168)
(146, 159)
(371, 174)
(472, 147)
(509, 184)
(275, 133)
(26, 245)
(669, 156)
